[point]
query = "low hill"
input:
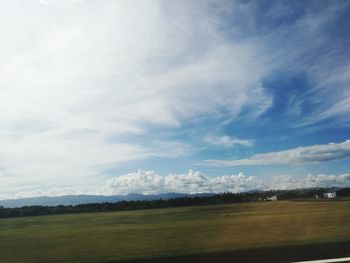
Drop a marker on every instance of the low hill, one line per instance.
(88, 199)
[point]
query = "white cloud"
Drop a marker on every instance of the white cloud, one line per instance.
(149, 182)
(227, 141)
(300, 155)
(300, 48)
(73, 74)
(320, 180)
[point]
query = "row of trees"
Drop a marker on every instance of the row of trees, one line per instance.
(223, 198)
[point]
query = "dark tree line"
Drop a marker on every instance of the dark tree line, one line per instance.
(224, 198)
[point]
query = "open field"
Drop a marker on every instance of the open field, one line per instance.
(142, 234)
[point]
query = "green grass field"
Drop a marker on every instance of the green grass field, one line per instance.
(99, 237)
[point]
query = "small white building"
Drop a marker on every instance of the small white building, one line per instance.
(271, 198)
(330, 195)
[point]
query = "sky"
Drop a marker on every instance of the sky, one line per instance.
(117, 97)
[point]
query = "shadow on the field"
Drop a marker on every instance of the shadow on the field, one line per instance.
(280, 254)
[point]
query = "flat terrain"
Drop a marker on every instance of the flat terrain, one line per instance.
(164, 233)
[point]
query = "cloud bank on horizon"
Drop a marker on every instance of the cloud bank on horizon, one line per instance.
(94, 90)
(192, 182)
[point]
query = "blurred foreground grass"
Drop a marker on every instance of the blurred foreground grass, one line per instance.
(139, 234)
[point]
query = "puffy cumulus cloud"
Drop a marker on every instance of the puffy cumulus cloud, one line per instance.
(149, 182)
(227, 141)
(300, 155)
(320, 180)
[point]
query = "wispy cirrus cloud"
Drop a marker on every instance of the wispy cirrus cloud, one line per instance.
(71, 80)
(300, 155)
(227, 141)
(89, 84)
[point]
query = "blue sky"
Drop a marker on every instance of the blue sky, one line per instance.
(113, 97)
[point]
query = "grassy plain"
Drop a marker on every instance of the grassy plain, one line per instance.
(103, 237)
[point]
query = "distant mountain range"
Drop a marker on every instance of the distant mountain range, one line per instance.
(90, 199)
(87, 199)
